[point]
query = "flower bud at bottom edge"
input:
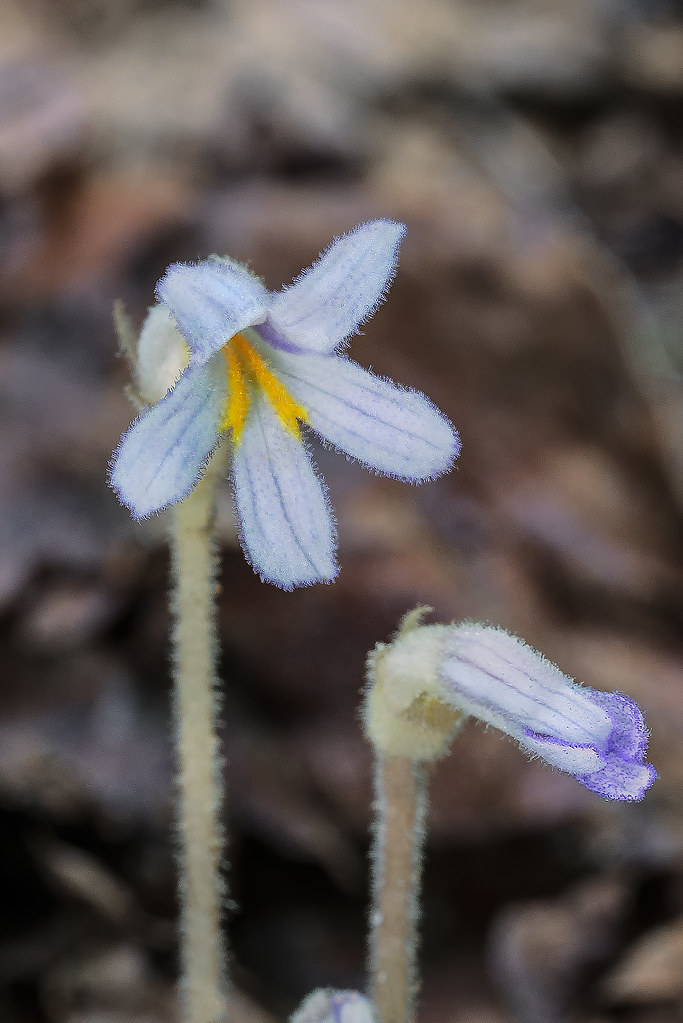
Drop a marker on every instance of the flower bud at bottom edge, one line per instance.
(329, 1006)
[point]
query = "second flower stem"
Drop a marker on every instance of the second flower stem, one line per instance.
(398, 838)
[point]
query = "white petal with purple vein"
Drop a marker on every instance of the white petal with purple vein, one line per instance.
(573, 759)
(286, 526)
(395, 431)
(497, 677)
(159, 459)
(211, 302)
(342, 289)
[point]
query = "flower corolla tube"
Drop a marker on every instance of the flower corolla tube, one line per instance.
(260, 364)
(481, 671)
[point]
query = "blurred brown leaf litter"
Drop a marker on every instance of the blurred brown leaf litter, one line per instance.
(535, 151)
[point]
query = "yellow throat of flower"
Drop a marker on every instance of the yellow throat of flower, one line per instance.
(246, 370)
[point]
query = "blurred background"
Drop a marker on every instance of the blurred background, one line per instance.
(534, 149)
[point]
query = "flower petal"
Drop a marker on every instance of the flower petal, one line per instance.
(497, 677)
(342, 289)
(620, 779)
(162, 355)
(211, 301)
(628, 737)
(574, 759)
(287, 529)
(395, 431)
(624, 775)
(159, 459)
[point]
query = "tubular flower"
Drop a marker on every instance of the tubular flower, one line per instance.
(261, 364)
(470, 669)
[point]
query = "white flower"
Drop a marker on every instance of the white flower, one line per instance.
(478, 670)
(328, 1006)
(260, 364)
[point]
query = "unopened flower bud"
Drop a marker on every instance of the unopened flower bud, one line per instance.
(329, 1006)
(478, 670)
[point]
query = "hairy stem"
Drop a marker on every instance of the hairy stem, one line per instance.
(397, 841)
(202, 892)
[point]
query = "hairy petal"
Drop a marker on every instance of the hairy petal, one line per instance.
(286, 526)
(607, 773)
(162, 355)
(574, 759)
(343, 288)
(628, 736)
(620, 779)
(508, 683)
(160, 458)
(393, 430)
(211, 302)
(624, 775)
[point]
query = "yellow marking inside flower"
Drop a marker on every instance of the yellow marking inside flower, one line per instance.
(246, 369)
(432, 713)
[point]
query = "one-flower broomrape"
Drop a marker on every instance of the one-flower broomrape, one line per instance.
(262, 363)
(431, 677)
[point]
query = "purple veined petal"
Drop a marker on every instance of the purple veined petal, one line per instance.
(390, 429)
(608, 774)
(576, 759)
(160, 458)
(620, 779)
(328, 302)
(500, 679)
(615, 771)
(267, 333)
(628, 738)
(211, 302)
(286, 527)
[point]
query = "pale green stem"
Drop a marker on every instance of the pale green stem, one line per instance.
(396, 856)
(200, 791)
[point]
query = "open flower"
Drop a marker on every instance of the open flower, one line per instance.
(431, 677)
(260, 365)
